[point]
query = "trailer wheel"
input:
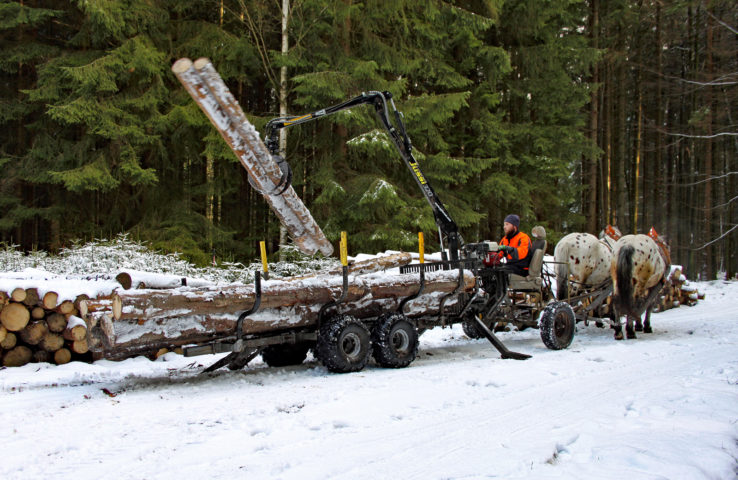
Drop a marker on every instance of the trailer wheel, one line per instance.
(285, 355)
(343, 344)
(470, 328)
(394, 341)
(557, 325)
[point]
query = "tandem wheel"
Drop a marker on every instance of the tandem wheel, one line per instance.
(343, 344)
(394, 341)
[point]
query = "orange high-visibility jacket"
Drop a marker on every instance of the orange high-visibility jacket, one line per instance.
(521, 243)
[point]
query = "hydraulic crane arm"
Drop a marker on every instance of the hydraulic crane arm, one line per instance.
(381, 101)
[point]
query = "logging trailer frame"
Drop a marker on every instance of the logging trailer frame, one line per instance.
(344, 343)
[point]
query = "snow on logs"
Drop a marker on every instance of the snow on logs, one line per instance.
(211, 94)
(114, 323)
(32, 327)
(151, 320)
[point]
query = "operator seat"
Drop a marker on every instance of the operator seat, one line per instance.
(534, 281)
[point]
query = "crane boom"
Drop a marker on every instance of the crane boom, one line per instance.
(382, 101)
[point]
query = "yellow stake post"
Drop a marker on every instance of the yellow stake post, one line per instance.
(421, 247)
(344, 250)
(262, 247)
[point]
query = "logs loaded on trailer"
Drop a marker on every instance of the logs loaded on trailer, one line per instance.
(40, 325)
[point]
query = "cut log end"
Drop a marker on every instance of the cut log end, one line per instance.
(125, 280)
(62, 356)
(15, 316)
(50, 300)
(18, 294)
(9, 341)
(181, 65)
(201, 62)
(57, 322)
(34, 332)
(18, 356)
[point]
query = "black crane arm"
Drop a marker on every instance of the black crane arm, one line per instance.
(381, 100)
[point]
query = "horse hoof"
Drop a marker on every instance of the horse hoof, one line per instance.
(619, 336)
(647, 330)
(639, 328)
(631, 335)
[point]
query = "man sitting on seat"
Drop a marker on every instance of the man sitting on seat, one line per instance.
(515, 246)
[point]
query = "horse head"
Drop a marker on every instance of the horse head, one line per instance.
(610, 235)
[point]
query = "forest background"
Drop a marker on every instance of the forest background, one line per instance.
(575, 114)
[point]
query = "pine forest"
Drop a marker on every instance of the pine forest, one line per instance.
(574, 114)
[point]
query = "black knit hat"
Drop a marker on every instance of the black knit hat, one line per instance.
(513, 219)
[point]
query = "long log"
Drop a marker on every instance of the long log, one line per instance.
(138, 279)
(147, 328)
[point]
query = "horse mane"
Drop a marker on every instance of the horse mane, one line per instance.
(623, 275)
(663, 246)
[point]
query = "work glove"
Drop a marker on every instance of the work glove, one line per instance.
(506, 249)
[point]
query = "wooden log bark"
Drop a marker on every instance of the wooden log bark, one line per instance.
(15, 316)
(34, 332)
(211, 94)
(18, 356)
(150, 329)
(137, 279)
(3, 333)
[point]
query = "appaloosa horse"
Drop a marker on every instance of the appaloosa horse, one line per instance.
(583, 261)
(639, 268)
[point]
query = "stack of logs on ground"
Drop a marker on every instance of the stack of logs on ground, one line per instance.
(40, 329)
(678, 291)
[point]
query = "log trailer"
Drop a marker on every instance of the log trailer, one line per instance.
(344, 343)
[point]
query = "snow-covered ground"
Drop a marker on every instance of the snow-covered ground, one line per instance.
(664, 406)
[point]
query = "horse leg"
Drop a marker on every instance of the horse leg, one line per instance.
(618, 331)
(629, 331)
(639, 325)
(616, 324)
(647, 322)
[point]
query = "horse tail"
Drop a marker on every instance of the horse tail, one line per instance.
(623, 278)
(562, 271)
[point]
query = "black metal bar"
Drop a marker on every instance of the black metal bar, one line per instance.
(339, 300)
(415, 295)
(504, 351)
(254, 307)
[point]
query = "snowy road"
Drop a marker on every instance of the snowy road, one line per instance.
(664, 406)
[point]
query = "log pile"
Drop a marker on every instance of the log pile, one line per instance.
(678, 291)
(118, 323)
(40, 328)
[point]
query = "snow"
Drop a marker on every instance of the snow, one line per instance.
(663, 406)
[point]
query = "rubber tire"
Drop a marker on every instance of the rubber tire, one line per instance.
(390, 329)
(557, 325)
(470, 328)
(285, 355)
(344, 344)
